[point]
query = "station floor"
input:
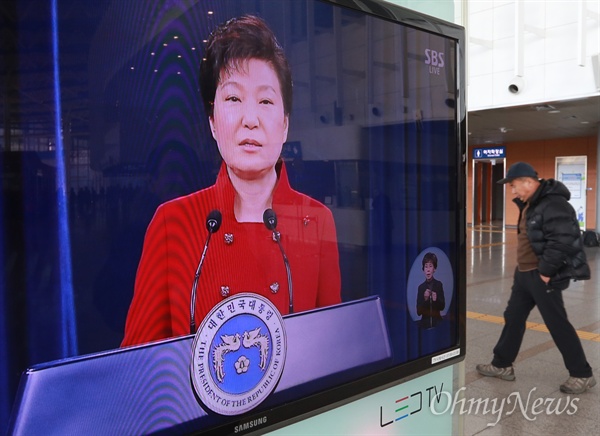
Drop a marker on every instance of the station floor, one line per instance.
(539, 369)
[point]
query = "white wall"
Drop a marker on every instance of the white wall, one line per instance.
(443, 9)
(558, 41)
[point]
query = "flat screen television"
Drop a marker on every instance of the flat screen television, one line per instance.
(116, 126)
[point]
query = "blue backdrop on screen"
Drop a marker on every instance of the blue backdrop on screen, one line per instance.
(420, 195)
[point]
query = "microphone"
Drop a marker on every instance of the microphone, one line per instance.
(270, 220)
(213, 222)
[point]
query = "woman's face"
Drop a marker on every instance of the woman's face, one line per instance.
(248, 119)
(428, 269)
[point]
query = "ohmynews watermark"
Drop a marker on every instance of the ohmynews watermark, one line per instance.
(529, 408)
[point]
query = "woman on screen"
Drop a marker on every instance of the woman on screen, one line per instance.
(430, 295)
(246, 88)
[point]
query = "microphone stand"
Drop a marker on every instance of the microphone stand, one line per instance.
(213, 222)
(270, 220)
(430, 310)
(195, 286)
(288, 270)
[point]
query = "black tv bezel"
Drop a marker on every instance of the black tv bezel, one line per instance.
(288, 413)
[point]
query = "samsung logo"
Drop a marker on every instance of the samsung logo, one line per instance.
(250, 424)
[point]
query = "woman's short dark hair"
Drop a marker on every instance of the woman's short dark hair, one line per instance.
(430, 258)
(232, 43)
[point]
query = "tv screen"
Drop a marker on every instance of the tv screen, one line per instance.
(140, 223)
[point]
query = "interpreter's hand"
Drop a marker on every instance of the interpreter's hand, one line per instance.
(434, 296)
(426, 294)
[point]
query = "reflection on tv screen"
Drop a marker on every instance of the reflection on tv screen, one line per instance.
(229, 162)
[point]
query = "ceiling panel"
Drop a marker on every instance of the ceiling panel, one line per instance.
(552, 120)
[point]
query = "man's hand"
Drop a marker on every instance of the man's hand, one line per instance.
(544, 278)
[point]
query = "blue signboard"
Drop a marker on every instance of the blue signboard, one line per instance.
(489, 153)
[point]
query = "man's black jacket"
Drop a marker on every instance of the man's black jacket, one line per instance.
(553, 230)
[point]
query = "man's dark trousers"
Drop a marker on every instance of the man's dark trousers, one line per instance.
(528, 291)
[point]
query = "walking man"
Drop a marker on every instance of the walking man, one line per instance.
(549, 254)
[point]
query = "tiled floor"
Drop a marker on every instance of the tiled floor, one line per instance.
(539, 368)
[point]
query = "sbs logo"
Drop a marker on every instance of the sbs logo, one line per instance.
(435, 60)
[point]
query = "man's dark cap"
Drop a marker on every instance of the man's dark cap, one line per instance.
(519, 169)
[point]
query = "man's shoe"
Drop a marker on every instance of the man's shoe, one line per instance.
(577, 385)
(490, 370)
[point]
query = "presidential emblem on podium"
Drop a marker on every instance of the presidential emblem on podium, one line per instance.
(238, 354)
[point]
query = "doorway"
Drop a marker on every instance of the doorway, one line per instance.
(488, 196)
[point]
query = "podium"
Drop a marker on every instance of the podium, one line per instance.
(147, 389)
